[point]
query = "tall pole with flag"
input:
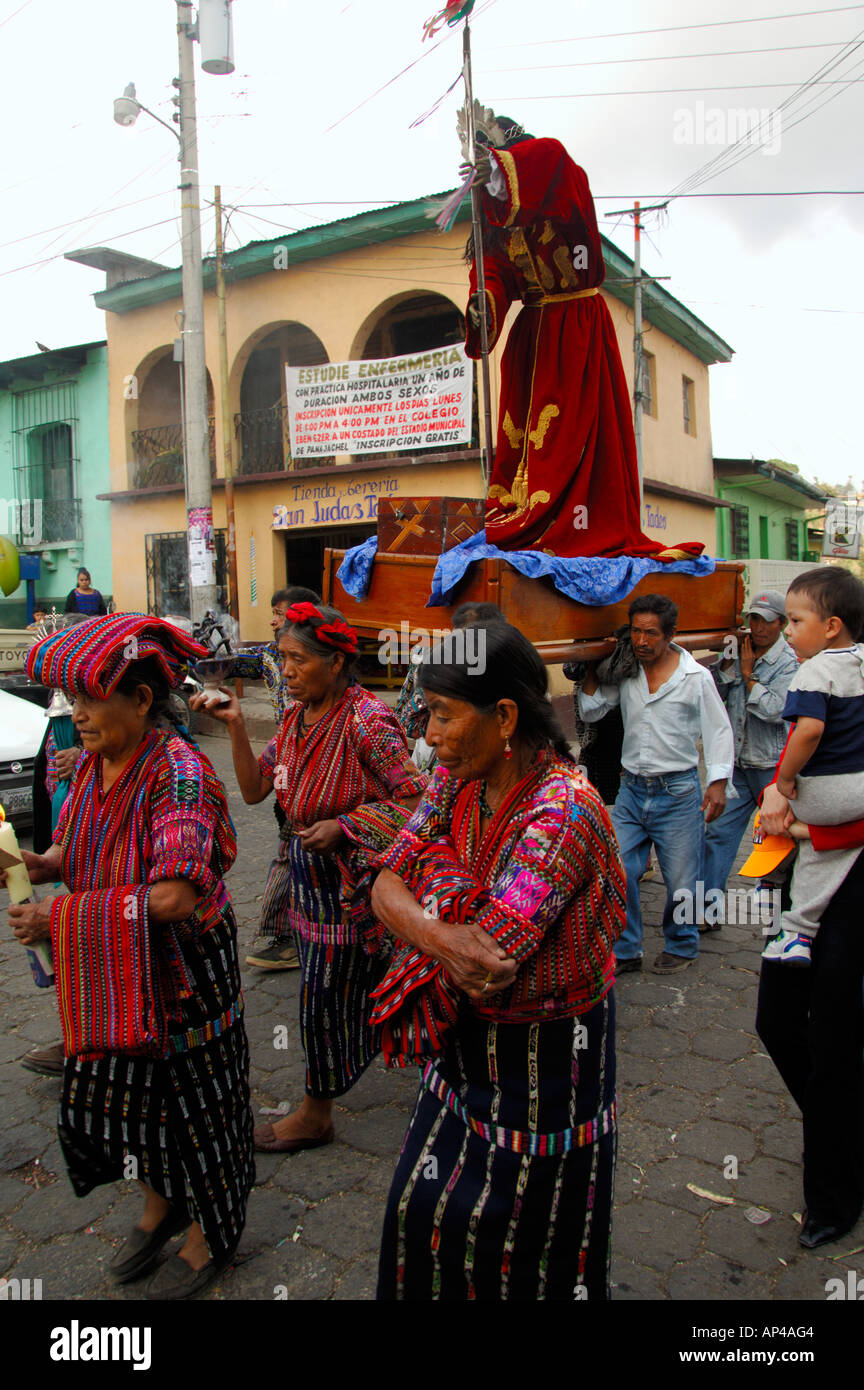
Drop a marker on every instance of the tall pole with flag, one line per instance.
(477, 227)
(453, 12)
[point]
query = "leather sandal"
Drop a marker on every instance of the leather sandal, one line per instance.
(267, 1141)
(141, 1249)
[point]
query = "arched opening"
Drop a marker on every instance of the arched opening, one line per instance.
(412, 323)
(157, 437)
(261, 425)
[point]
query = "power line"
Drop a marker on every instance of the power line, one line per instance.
(670, 91)
(14, 12)
(60, 226)
(659, 58)
(746, 145)
(675, 28)
(58, 256)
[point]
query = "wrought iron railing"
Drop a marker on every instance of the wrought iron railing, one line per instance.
(158, 454)
(265, 444)
(42, 522)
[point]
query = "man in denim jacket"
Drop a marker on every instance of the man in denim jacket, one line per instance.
(753, 686)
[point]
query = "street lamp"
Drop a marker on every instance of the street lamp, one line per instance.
(213, 29)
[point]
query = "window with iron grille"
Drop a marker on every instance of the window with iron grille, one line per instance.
(167, 563)
(740, 518)
(45, 462)
(793, 540)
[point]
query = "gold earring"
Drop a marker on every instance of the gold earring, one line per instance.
(508, 751)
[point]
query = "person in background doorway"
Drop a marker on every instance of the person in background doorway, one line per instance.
(667, 706)
(273, 948)
(84, 598)
(753, 686)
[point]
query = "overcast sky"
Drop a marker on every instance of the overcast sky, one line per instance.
(779, 278)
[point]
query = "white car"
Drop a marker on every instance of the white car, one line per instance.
(22, 729)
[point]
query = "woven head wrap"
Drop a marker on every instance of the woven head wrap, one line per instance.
(334, 633)
(92, 657)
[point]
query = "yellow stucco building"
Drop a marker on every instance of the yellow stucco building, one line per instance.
(375, 285)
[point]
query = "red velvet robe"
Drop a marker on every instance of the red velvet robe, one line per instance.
(564, 478)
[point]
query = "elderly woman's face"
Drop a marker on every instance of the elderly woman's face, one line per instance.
(112, 727)
(309, 677)
(468, 741)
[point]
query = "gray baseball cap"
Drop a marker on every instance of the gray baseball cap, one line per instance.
(769, 604)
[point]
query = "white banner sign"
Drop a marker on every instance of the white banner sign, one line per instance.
(418, 401)
(844, 523)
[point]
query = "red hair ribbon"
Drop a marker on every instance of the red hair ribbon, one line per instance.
(302, 613)
(335, 634)
(338, 634)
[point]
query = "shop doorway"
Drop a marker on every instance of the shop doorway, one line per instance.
(304, 551)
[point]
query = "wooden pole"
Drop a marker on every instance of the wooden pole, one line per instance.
(477, 227)
(227, 453)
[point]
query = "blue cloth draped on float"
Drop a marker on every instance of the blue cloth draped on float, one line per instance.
(593, 580)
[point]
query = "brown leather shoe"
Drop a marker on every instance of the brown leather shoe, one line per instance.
(267, 1141)
(47, 1061)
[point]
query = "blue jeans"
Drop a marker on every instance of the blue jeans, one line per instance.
(665, 811)
(723, 835)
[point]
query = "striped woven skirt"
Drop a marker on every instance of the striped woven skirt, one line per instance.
(338, 1041)
(277, 896)
(183, 1126)
(504, 1186)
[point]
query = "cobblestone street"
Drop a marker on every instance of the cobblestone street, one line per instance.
(698, 1099)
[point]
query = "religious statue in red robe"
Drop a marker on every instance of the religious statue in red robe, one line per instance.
(565, 477)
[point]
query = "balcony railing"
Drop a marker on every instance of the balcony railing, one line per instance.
(158, 454)
(265, 444)
(46, 522)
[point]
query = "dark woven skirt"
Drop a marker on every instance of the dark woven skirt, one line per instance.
(504, 1186)
(338, 1042)
(183, 1126)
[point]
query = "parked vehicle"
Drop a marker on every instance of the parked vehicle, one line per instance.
(22, 729)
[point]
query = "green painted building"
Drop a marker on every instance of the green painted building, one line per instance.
(764, 520)
(53, 463)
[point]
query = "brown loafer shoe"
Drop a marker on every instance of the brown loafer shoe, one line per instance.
(666, 963)
(177, 1279)
(267, 1141)
(47, 1061)
(141, 1250)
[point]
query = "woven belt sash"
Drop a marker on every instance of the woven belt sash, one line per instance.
(194, 1037)
(518, 1140)
(559, 298)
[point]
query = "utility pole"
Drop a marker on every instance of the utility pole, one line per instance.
(199, 493)
(227, 450)
(637, 348)
(638, 353)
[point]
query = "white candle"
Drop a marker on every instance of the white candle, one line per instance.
(17, 877)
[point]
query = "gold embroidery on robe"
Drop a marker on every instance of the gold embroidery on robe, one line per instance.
(547, 278)
(547, 415)
(563, 258)
(517, 250)
(513, 433)
(548, 232)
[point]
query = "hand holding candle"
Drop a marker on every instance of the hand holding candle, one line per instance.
(16, 875)
(31, 920)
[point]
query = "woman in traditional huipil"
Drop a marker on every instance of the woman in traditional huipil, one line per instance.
(507, 890)
(341, 770)
(155, 1084)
